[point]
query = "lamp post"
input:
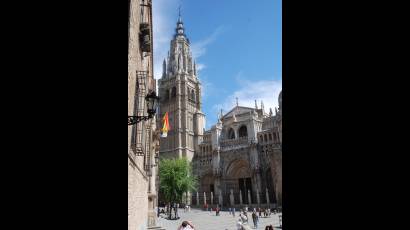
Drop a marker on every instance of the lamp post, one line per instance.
(152, 101)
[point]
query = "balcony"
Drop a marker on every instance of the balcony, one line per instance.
(241, 142)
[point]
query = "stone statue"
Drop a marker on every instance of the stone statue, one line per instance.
(257, 197)
(212, 198)
(220, 197)
(267, 197)
(231, 198)
(204, 198)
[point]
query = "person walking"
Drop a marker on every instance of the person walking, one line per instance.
(239, 224)
(254, 219)
(233, 212)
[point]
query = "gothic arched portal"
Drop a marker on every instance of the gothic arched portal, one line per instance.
(238, 177)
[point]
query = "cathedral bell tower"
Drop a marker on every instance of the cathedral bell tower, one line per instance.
(180, 92)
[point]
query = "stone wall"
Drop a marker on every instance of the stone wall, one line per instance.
(139, 135)
(137, 198)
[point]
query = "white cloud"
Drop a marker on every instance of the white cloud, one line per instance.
(164, 21)
(249, 91)
(199, 48)
(200, 66)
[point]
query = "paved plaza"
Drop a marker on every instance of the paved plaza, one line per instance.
(203, 220)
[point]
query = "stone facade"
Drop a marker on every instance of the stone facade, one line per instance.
(240, 159)
(180, 93)
(142, 137)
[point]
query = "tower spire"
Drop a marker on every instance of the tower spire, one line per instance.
(180, 24)
(164, 68)
(179, 14)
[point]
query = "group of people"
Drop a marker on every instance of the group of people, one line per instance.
(171, 211)
(243, 217)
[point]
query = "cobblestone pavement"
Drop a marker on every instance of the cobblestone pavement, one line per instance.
(203, 220)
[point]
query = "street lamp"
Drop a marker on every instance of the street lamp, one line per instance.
(152, 101)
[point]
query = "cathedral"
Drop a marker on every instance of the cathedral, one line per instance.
(239, 160)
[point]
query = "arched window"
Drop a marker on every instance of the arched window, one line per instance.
(243, 132)
(166, 95)
(231, 134)
(174, 92)
(193, 95)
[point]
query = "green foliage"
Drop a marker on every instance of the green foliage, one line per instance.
(176, 177)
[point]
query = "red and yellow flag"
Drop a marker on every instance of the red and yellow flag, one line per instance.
(165, 127)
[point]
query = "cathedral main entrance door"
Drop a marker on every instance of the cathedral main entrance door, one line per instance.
(238, 178)
(245, 184)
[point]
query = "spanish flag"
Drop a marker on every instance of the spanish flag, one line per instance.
(165, 126)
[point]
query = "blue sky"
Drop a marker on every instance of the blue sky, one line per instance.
(237, 45)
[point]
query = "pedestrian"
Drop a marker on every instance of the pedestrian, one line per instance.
(244, 218)
(233, 212)
(229, 211)
(269, 227)
(260, 212)
(176, 212)
(254, 219)
(186, 225)
(239, 224)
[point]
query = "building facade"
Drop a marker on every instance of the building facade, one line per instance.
(239, 161)
(143, 143)
(180, 93)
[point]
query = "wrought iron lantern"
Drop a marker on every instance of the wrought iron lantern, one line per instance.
(152, 103)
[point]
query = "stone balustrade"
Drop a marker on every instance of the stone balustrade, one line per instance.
(235, 143)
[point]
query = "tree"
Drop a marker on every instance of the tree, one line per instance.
(176, 177)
